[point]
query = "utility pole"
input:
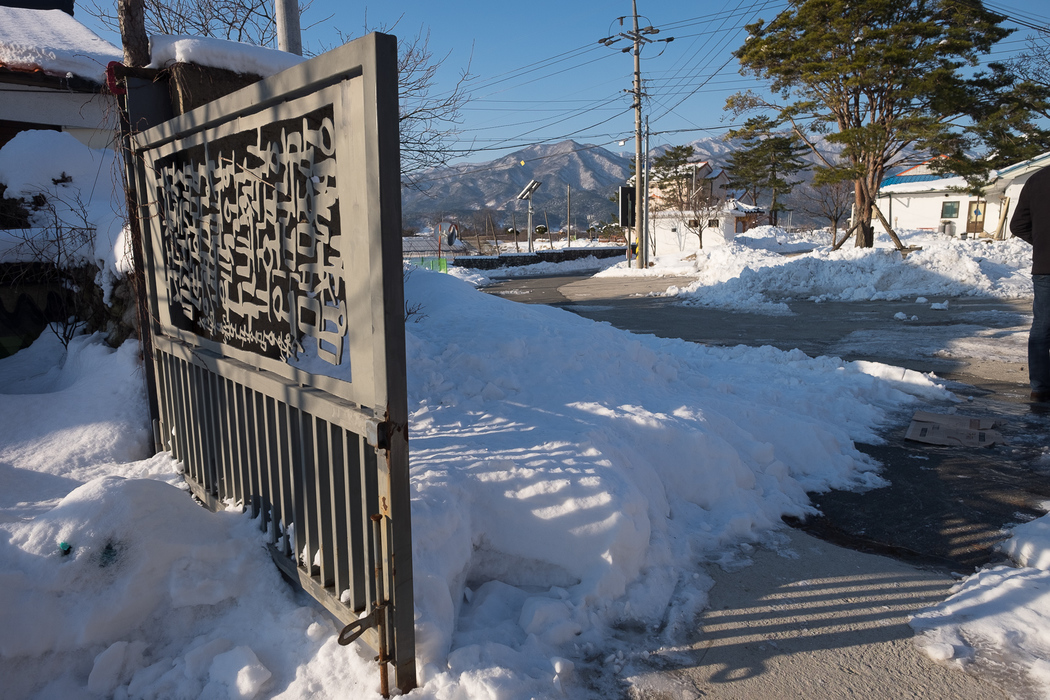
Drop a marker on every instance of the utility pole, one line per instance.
(638, 38)
(639, 227)
(645, 203)
(568, 216)
(289, 36)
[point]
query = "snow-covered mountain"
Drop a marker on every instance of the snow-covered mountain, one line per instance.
(468, 190)
(476, 193)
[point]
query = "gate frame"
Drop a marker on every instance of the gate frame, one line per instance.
(359, 80)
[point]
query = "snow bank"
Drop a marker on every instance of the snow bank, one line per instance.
(754, 274)
(658, 452)
(999, 619)
(567, 480)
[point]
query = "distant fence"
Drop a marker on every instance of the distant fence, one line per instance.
(494, 262)
(271, 224)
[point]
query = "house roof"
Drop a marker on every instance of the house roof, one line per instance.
(738, 207)
(902, 179)
(52, 43)
(929, 182)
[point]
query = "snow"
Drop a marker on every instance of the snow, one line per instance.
(753, 274)
(219, 53)
(54, 42)
(567, 478)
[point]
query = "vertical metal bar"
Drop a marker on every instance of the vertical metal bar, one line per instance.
(190, 432)
(369, 500)
(163, 401)
(250, 467)
(212, 440)
(306, 491)
(303, 556)
(356, 517)
(274, 466)
(284, 432)
(338, 506)
(200, 427)
(241, 438)
(377, 528)
(226, 450)
(322, 469)
(262, 500)
(182, 434)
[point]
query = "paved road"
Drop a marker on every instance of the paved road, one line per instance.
(945, 507)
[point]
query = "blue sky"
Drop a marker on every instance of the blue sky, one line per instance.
(541, 74)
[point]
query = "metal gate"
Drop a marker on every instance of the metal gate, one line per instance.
(271, 231)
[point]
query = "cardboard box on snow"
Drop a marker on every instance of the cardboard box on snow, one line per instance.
(952, 430)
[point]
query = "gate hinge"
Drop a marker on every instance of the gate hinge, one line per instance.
(379, 432)
(358, 627)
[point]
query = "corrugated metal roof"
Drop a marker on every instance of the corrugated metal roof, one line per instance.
(901, 179)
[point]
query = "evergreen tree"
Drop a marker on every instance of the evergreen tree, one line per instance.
(880, 77)
(764, 162)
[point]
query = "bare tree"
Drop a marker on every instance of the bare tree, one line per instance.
(58, 253)
(689, 198)
(830, 200)
(429, 120)
(429, 116)
(248, 21)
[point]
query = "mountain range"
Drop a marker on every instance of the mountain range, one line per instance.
(485, 194)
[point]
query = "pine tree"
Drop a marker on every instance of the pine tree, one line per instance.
(764, 162)
(880, 77)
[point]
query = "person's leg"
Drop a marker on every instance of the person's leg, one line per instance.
(1039, 339)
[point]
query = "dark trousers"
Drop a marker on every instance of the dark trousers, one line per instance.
(1039, 337)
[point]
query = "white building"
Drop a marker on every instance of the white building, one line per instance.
(52, 71)
(922, 200)
(670, 232)
(716, 220)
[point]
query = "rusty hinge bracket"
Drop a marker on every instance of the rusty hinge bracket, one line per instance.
(358, 627)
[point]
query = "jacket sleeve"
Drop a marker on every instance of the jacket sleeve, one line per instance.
(1021, 221)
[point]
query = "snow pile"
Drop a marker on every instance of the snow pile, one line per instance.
(547, 513)
(82, 188)
(742, 277)
(219, 53)
(54, 42)
(999, 619)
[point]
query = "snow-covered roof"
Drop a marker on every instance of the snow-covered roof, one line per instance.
(219, 53)
(54, 43)
(1026, 166)
(738, 207)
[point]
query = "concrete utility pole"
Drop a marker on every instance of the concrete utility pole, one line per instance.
(638, 37)
(639, 226)
(289, 36)
(568, 216)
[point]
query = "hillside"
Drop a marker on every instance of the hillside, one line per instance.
(475, 193)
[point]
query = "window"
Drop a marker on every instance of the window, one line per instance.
(712, 223)
(949, 210)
